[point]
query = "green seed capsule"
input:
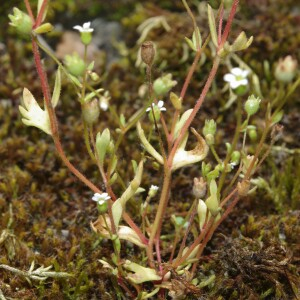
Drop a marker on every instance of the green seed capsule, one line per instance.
(252, 105)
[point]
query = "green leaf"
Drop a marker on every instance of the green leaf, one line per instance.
(277, 117)
(91, 66)
(102, 142)
(57, 88)
(212, 25)
(190, 43)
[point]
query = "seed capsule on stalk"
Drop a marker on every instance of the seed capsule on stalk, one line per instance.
(148, 53)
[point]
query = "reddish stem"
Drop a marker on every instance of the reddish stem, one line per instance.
(158, 255)
(220, 24)
(52, 117)
(183, 243)
(137, 230)
(39, 18)
(197, 241)
(29, 11)
(229, 22)
(185, 86)
(56, 139)
(197, 106)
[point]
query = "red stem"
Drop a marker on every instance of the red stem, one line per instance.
(229, 22)
(29, 10)
(133, 226)
(39, 18)
(220, 24)
(197, 106)
(56, 139)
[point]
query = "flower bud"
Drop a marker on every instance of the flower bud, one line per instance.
(286, 68)
(228, 147)
(241, 90)
(163, 85)
(252, 105)
(212, 201)
(102, 143)
(235, 158)
(243, 188)
(176, 101)
(102, 207)
(210, 127)
(94, 76)
(247, 161)
(86, 38)
(148, 53)
(156, 113)
(202, 211)
(205, 168)
(177, 221)
(199, 188)
(209, 131)
(21, 21)
(90, 111)
(252, 135)
(74, 64)
(104, 101)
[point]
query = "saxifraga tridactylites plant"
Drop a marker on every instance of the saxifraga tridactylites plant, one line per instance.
(212, 202)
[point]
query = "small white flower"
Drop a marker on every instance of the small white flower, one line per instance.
(85, 28)
(159, 105)
(154, 187)
(233, 165)
(153, 190)
(237, 77)
(100, 198)
(104, 101)
(103, 104)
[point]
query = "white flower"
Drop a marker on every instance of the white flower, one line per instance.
(154, 187)
(104, 101)
(237, 77)
(103, 104)
(153, 190)
(32, 114)
(159, 105)
(100, 198)
(85, 28)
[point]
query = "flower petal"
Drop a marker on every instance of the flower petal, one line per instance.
(160, 104)
(79, 28)
(87, 25)
(96, 197)
(245, 73)
(237, 71)
(235, 84)
(229, 77)
(243, 81)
